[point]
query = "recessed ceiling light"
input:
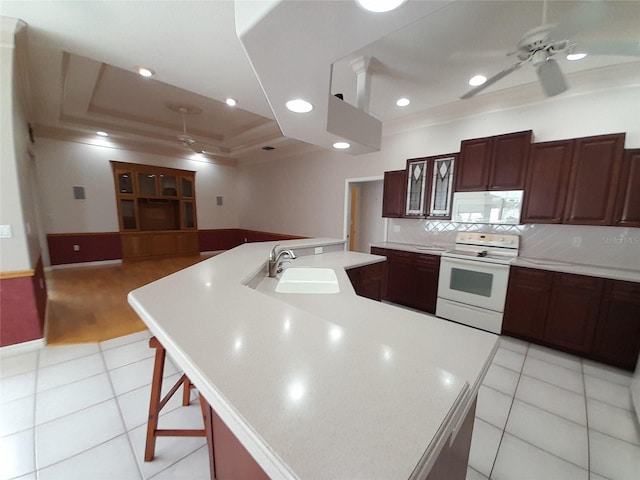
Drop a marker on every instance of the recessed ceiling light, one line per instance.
(341, 145)
(477, 80)
(299, 106)
(403, 102)
(379, 6)
(232, 102)
(576, 56)
(145, 72)
(102, 134)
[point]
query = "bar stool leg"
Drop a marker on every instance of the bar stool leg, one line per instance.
(154, 404)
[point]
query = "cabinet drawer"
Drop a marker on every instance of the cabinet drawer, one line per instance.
(531, 276)
(427, 260)
(379, 251)
(621, 289)
(578, 281)
(373, 270)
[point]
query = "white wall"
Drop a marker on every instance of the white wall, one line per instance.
(305, 195)
(62, 165)
(17, 208)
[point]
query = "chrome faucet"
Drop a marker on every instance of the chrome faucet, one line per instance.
(274, 259)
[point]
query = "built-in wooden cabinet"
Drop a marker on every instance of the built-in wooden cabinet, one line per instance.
(573, 311)
(493, 163)
(156, 210)
(525, 311)
(546, 182)
(594, 180)
(423, 190)
(369, 280)
(628, 203)
(617, 338)
(589, 316)
(393, 198)
(412, 278)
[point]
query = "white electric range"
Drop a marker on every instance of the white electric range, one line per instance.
(472, 286)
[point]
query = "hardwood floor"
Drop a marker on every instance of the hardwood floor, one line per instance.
(89, 304)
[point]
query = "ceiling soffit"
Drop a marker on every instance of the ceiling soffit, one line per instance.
(97, 96)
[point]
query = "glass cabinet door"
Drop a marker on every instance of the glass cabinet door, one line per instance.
(128, 214)
(187, 187)
(416, 186)
(188, 215)
(125, 182)
(441, 187)
(169, 185)
(147, 184)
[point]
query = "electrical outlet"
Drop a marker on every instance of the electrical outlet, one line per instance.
(76, 248)
(577, 241)
(318, 250)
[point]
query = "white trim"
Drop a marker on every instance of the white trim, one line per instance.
(347, 205)
(83, 264)
(24, 347)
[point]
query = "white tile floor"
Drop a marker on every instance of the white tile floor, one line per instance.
(79, 412)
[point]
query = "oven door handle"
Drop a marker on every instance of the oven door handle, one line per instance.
(474, 264)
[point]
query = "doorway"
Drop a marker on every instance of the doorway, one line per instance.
(364, 224)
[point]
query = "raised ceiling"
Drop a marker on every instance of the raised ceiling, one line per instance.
(82, 56)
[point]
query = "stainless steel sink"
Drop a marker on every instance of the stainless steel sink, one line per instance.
(308, 280)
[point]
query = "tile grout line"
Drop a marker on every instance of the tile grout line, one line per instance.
(124, 424)
(586, 414)
(513, 397)
(35, 409)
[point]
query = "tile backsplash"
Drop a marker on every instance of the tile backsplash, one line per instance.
(614, 247)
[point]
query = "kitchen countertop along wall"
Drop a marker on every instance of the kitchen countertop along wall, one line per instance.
(317, 386)
(627, 274)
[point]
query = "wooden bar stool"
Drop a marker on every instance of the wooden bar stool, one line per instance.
(158, 402)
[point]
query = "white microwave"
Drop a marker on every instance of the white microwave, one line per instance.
(499, 207)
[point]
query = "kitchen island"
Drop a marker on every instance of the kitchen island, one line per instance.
(318, 386)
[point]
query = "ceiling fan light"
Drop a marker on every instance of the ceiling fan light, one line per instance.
(403, 102)
(299, 106)
(477, 80)
(573, 56)
(380, 6)
(145, 72)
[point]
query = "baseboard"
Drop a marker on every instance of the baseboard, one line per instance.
(83, 264)
(24, 347)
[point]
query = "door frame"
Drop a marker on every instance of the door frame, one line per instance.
(347, 205)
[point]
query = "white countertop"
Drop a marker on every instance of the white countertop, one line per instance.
(328, 386)
(630, 275)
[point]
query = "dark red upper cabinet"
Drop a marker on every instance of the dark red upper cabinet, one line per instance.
(493, 163)
(628, 205)
(594, 180)
(393, 197)
(472, 171)
(546, 181)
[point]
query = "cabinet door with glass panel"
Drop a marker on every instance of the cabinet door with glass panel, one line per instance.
(430, 186)
(126, 198)
(154, 198)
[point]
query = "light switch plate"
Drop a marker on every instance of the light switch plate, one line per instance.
(5, 231)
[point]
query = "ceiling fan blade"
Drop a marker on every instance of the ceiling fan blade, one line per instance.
(492, 80)
(551, 78)
(631, 49)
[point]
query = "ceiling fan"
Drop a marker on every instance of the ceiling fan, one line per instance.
(540, 44)
(184, 138)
